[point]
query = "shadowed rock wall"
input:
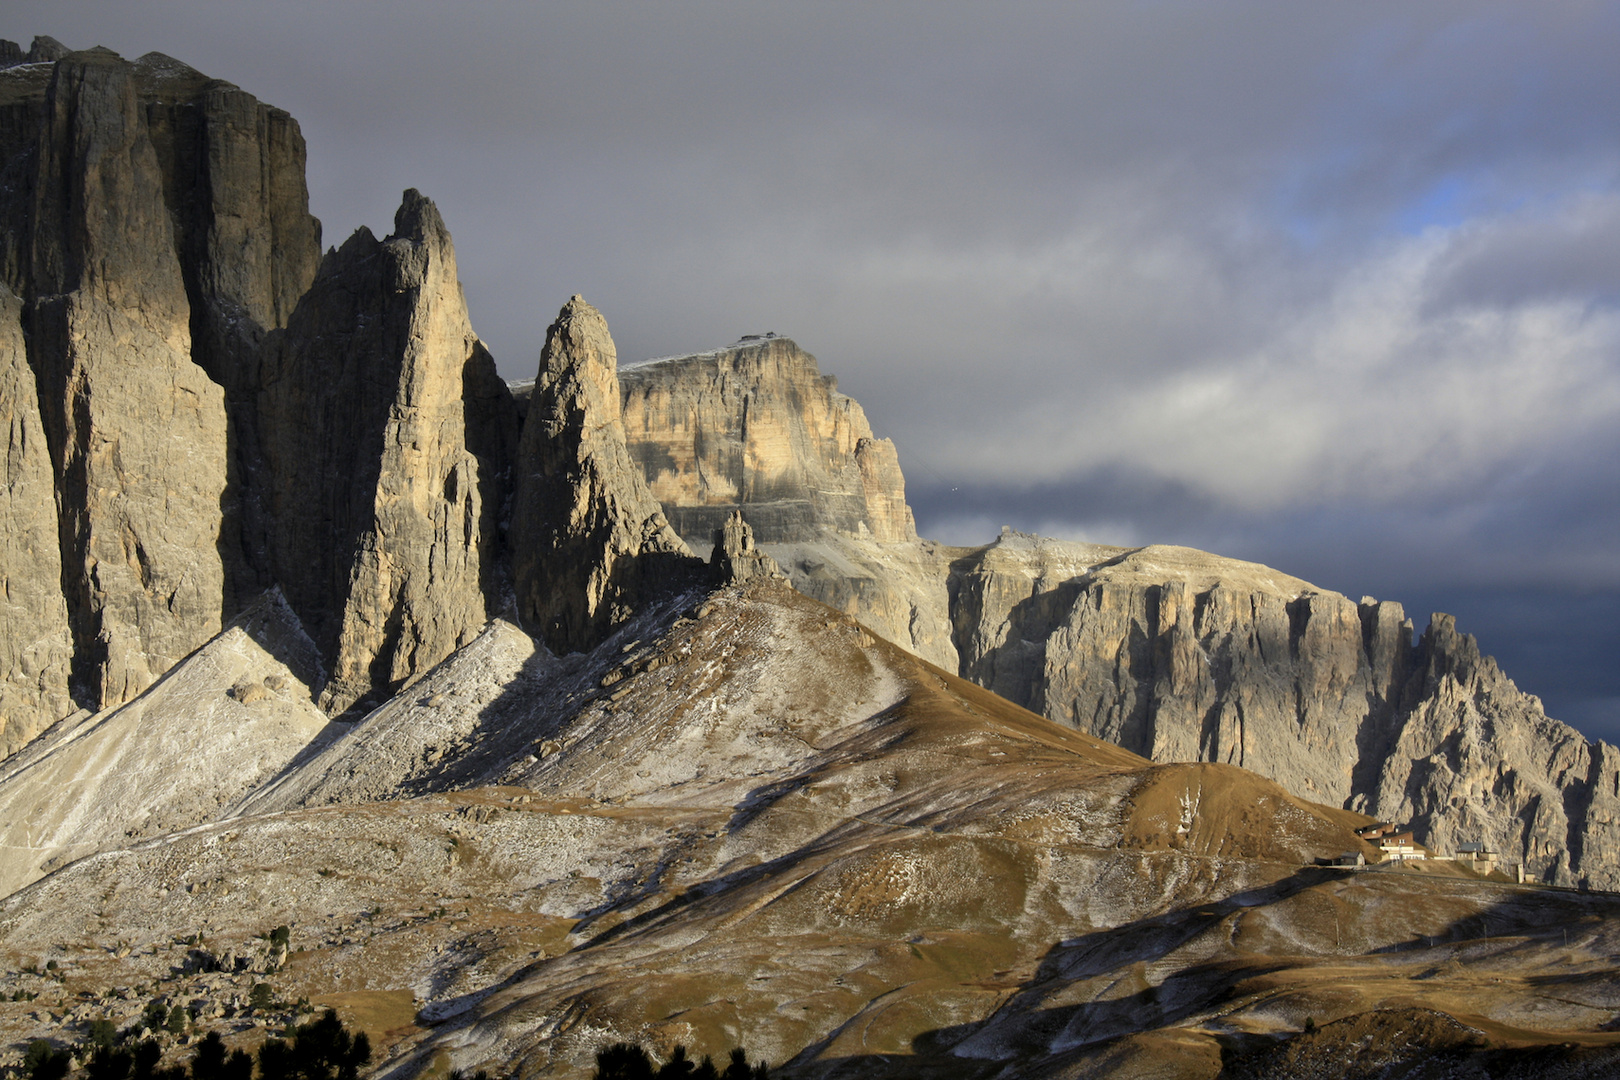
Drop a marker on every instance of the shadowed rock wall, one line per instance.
(388, 440)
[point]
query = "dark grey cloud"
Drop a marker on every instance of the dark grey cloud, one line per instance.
(1335, 287)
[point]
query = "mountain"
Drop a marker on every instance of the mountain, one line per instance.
(743, 818)
(1175, 654)
(627, 703)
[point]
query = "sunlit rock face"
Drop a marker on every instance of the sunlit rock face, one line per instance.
(137, 432)
(155, 227)
(1181, 655)
(589, 542)
(757, 424)
(388, 441)
(1177, 654)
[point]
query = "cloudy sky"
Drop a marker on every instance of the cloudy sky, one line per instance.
(1335, 287)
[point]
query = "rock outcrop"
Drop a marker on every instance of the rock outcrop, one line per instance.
(388, 440)
(757, 424)
(774, 827)
(589, 542)
(736, 557)
(35, 647)
(1471, 757)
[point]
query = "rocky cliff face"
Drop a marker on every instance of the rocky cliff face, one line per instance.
(388, 440)
(1184, 656)
(137, 431)
(158, 234)
(589, 542)
(1175, 654)
(758, 424)
(35, 647)
(233, 172)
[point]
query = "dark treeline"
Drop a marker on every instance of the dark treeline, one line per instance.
(627, 1061)
(319, 1050)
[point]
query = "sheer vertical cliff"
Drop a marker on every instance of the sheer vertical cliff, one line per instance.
(233, 172)
(158, 233)
(388, 440)
(137, 431)
(589, 542)
(35, 647)
(1184, 656)
(758, 424)
(199, 408)
(155, 225)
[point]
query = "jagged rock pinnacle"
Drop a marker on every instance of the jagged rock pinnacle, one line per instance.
(589, 542)
(735, 558)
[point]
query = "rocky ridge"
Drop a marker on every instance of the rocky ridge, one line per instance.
(686, 815)
(218, 418)
(1175, 654)
(1180, 655)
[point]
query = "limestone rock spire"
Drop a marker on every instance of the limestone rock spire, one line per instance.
(589, 542)
(389, 439)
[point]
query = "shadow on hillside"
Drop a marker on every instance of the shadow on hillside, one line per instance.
(1040, 1030)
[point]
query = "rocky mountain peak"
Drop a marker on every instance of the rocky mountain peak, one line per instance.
(589, 542)
(757, 423)
(388, 438)
(44, 50)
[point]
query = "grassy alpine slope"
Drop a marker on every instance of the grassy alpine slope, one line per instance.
(746, 820)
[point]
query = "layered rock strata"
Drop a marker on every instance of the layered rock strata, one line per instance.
(757, 424)
(589, 542)
(1184, 656)
(388, 440)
